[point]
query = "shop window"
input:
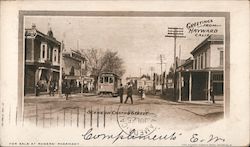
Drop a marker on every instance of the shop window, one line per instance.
(106, 79)
(218, 77)
(101, 79)
(55, 55)
(49, 52)
(198, 62)
(205, 59)
(201, 61)
(43, 51)
(44, 75)
(221, 58)
(111, 80)
(195, 63)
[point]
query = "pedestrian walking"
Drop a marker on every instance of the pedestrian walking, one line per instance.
(129, 93)
(67, 90)
(63, 87)
(212, 94)
(38, 88)
(141, 92)
(52, 89)
(120, 92)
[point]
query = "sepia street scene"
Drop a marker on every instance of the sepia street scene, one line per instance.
(80, 71)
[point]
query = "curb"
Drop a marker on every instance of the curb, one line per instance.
(203, 115)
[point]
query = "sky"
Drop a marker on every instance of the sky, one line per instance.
(138, 40)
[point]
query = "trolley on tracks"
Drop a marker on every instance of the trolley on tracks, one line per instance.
(108, 83)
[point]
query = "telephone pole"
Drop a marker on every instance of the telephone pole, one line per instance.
(140, 71)
(151, 71)
(174, 32)
(161, 62)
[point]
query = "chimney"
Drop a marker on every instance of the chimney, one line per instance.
(50, 33)
(33, 26)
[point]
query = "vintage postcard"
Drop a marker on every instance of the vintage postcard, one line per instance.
(95, 75)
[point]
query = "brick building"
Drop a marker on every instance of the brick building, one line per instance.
(42, 60)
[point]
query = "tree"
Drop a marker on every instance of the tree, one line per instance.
(93, 57)
(113, 63)
(99, 61)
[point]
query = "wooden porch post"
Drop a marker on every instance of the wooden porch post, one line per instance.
(190, 87)
(209, 86)
(180, 83)
(32, 49)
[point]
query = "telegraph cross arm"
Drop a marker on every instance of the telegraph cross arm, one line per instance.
(175, 28)
(175, 36)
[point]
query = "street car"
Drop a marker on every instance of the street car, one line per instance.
(108, 83)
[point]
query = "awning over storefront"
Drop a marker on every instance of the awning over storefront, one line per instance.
(195, 84)
(201, 70)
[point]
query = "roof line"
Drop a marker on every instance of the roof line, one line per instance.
(208, 39)
(44, 35)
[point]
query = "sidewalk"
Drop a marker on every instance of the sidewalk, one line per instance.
(56, 97)
(203, 108)
(46, 94)
(205, 102)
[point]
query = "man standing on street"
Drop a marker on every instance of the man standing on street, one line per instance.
(212, 94)
(129, 94)
(67, 90)
(120, 92)
(37, 88)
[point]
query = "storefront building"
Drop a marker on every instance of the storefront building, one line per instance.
(74, 72)
(42, 60)
(204, 72)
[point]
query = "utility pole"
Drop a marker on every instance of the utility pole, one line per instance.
(151, 71)
(161, 62)
(179, 75)
(175, 33)
(140, 71)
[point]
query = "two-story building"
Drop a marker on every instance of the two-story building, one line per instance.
(42, 60)
(74, 71)
(196, 77)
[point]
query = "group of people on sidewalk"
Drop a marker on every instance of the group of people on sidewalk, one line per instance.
(66, 89)
(52, 88)
(129, 93)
